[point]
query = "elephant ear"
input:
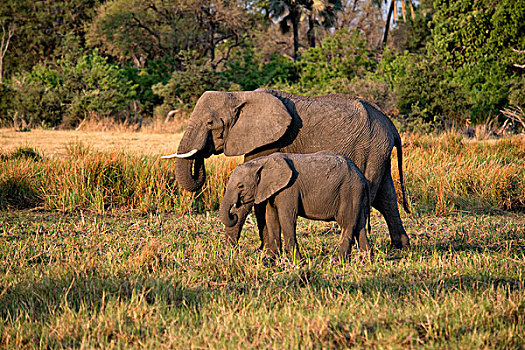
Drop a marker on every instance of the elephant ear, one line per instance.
(262, 119)
(274, 175)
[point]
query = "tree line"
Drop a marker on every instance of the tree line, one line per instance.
(426, 63)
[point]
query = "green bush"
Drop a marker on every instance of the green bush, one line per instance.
(186, 86)
(425, 89)
(34, 103)
(486, 88)
(6, 100)
(475, 40)
(373, 88)
(250, 72)
(156, 72)
(73, 88)
(340, 57)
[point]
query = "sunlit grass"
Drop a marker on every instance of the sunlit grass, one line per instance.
(442, 174)
(113, 254)
(162, 280)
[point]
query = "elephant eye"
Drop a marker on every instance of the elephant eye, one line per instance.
(240, 186)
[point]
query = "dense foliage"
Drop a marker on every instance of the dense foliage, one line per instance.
(450, 62)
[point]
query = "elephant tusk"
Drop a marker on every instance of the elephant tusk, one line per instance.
(184, 155)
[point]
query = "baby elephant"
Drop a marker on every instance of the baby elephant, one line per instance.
(320, 186)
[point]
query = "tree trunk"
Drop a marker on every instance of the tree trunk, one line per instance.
(387, 25)
(311, 33)
(6, 38)
(295, 25)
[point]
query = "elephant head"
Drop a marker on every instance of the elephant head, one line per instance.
(233, 123)
(253, 182)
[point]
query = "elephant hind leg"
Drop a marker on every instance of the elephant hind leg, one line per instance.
(386, 202)
(346, 244)
(360, 234)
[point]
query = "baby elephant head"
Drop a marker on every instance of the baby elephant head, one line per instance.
(253, 182)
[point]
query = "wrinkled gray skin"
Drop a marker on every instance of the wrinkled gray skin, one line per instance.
(282, 186)
(261, 122)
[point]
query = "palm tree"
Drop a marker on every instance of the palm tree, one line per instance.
(321, 13)
(285, 12)
(290, 12)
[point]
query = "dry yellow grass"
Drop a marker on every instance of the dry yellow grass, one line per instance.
(102, 170)
(55, 142)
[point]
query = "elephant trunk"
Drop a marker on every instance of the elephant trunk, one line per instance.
(226, 217)
(190, 172)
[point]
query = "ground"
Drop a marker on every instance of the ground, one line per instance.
(130, 280)
(54, 142)
(143, 278)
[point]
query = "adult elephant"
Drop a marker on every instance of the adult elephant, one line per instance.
(260, 122)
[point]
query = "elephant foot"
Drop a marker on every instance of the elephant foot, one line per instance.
(402, 243)
(295, 256)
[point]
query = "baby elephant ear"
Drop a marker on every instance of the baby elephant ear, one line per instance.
(274, 175)
(262, 119)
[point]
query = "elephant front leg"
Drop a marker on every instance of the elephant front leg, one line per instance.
(234, 233)
(260, 215)
(288, 223)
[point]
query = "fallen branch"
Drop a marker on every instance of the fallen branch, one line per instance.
(514, 115)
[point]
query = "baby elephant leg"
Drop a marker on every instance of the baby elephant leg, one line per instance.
(288, 221)
(360, 234)
(260, 215)
(273, 241)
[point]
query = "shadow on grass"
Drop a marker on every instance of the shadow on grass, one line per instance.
(43, 298)
(18, 193)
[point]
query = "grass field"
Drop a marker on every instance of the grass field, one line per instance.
(128, 260)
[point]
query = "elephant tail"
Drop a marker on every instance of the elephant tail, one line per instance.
(397, 144)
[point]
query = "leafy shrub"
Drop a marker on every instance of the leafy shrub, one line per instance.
(475, 39)
(466, 31)
(424, 88)
(34, 103)
(156, 72)
(485, 86)
(340, 57)
(186, 86)
(249, 72)
(375, 90)
(71, 89)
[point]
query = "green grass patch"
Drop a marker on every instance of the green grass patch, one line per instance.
(161, 280)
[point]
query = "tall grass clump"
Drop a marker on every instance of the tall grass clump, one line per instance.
(446, 172)
(101, 182)
(107, 181)
(442, 174)
(20, 179)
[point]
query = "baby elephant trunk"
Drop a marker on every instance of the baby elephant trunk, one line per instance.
(226, 217)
